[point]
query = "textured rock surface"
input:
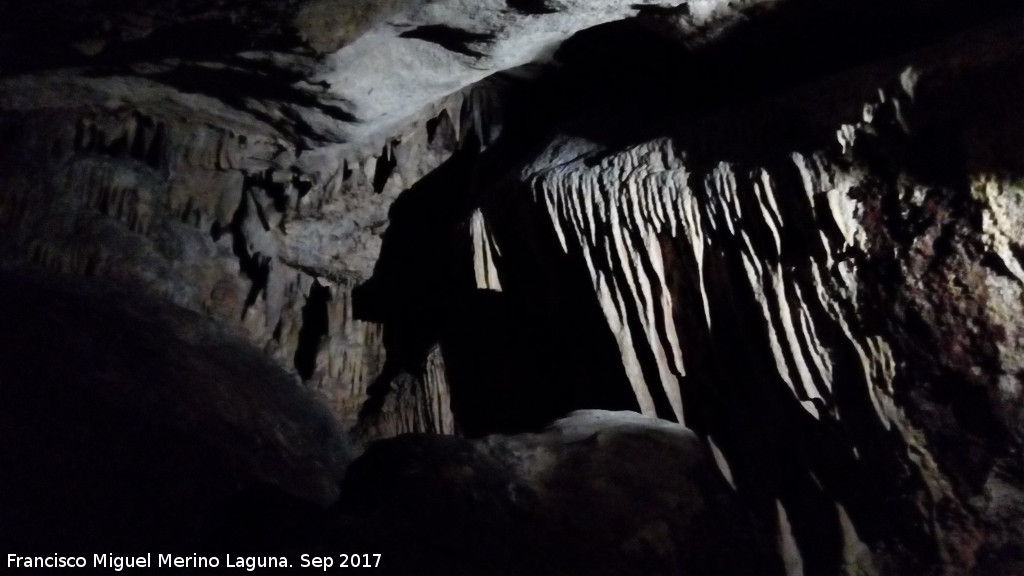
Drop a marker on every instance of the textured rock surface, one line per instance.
(840, 320)
(311, 71)
(793, 226)
(241, 160)
(235, 225)
(595, 493)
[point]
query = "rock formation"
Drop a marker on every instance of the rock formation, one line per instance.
(131, 422)
(791, 227)
(595, 493)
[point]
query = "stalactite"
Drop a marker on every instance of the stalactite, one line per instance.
(805, 247)
(788, 549)
(614, 212)
(485, 252)
(614, 219)
(227, 222)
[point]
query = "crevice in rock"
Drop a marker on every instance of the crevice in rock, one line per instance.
(315, 326)
(450, 38)
(440, 128)
(302, 188)
(276, 191)
(257, 269)
(252, 265)
(244, 89)
(137, 136)
(531, 6)
(386, 164)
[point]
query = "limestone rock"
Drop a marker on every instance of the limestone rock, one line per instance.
(595, 493)
(853, 309)
(312, 71)
(792, 226)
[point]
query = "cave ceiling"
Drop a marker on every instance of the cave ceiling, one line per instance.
(312, 72)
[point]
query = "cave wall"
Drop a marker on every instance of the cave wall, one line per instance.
(838, 319)
(266, 237)
(805, 249)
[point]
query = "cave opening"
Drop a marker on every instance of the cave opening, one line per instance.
(315, 326)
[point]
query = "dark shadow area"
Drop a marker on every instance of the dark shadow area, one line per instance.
(546, 505)
(148, 146)
(515, 359)
(156, 433)
(34, 37)
(267, 93)
(386, 164)
(530, 6)
(131, 427)
(552, 297)
(441, 129)
(254, 266)
(315, 326)
(770, 441)
(450, 38)
(414, 284)
(623, 82)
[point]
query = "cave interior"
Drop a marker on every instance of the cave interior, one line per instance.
(520, 287)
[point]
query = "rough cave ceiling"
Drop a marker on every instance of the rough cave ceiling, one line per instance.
(310, 72)
(792, 226)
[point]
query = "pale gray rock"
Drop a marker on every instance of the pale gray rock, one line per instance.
(360, 74)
